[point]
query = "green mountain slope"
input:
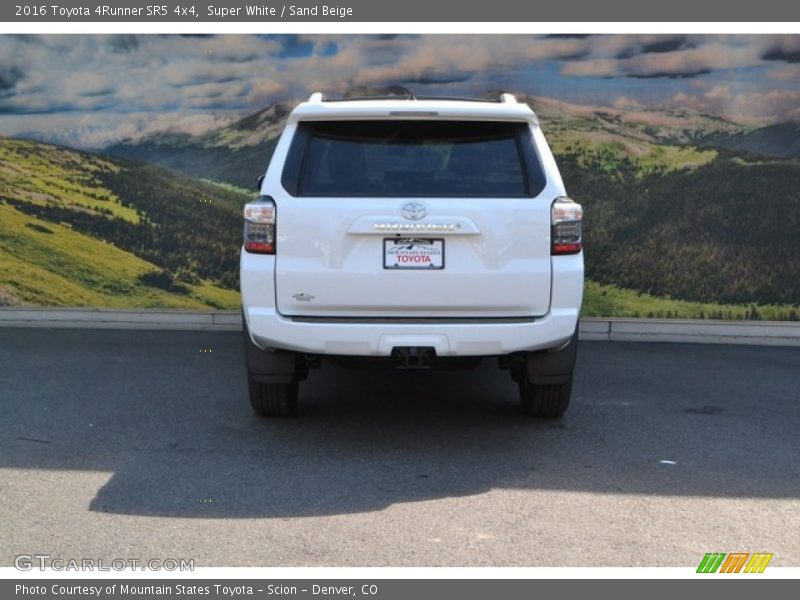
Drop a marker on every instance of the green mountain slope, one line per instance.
(77, 229)
(606, 300)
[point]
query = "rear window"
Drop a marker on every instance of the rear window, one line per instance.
(413, 158)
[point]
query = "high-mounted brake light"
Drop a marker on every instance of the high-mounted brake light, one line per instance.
(259, 226)
(566, 217)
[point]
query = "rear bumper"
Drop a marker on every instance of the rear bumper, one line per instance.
(270, 330)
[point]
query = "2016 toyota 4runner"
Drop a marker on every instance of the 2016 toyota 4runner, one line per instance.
(417, 232)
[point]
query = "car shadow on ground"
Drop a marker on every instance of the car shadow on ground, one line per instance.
(167, 413)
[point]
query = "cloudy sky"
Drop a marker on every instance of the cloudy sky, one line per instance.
(91, 90)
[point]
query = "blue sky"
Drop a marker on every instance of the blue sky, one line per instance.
(92, 90)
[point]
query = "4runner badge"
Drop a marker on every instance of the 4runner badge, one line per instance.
(413, 211)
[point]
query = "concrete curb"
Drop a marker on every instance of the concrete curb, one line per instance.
(111, 318)
(759, 333)
(756, 333)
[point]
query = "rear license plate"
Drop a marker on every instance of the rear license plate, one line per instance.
(413, 253)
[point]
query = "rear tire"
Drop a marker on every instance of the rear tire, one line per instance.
(273, 399)
(544, 400)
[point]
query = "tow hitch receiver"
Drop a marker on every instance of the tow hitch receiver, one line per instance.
(413, 357)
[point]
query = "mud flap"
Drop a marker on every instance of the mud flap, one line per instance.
(270, 367)
(552, 367)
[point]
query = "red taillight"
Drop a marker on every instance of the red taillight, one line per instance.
(260, 247)
(566, 218)
(259, 226)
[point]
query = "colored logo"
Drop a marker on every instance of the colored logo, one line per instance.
(735, 562)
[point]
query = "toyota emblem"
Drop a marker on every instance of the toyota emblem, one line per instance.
(413, 211)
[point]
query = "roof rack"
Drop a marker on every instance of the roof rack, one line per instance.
(458, 98)
(358, 98)
(408, 94)
(394, 92)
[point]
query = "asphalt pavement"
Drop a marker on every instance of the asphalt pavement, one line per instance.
(121, 444)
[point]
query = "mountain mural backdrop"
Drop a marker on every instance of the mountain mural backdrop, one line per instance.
(125, 159)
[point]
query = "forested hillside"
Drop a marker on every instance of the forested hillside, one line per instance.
(80, 229)
(781, 140)
(719, 232)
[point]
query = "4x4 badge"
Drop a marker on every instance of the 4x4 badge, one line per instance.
(413, 211)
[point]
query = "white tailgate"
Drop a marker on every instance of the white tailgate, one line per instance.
(331, 257)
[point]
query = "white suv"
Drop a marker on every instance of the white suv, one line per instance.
(414, 231)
